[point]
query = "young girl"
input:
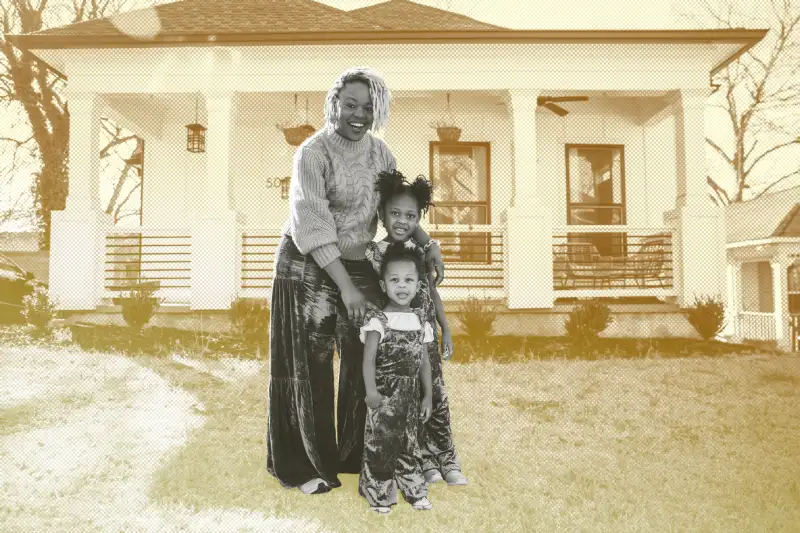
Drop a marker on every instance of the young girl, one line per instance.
(400, 207)
(395, 363)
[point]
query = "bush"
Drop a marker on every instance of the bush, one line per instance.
(476, 317)
(586, 321)
(250, 319)
(37, 308)
(707, 316)
(139, 306)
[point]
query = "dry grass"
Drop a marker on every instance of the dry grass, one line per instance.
(693, 444)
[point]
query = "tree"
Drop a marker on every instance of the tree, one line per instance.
(36, 90)
(759, 96)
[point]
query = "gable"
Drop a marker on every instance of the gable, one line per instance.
(771, 215)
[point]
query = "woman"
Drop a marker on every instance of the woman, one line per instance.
(321, 274)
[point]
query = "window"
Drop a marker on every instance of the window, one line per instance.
(460, 177)
(596, 194)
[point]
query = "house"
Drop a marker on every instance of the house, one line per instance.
(573, 165)
(763, 242)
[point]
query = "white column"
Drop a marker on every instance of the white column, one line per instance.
(529, 282)
(216, 236)
(734, 299)
(700, 223)
(780, 299)
(77, 238)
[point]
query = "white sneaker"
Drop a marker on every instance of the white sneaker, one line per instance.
(455, 477)
(315, 486)
(432, 476)
(422, 505)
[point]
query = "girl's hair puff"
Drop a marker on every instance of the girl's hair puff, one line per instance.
(392, 183)
(397, 251)
(378, 93)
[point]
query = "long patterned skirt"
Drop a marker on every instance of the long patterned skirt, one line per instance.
(301, 433)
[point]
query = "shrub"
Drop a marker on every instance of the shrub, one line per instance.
(139, 306)
(707, 316)
(37, 308)
(476, 317)
(250, 319)
(586, 321)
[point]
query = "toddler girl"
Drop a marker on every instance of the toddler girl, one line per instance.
(401, 205)
(395, 363)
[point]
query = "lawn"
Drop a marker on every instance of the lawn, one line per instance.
(107, 442)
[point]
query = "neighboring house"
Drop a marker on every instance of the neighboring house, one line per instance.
(763, 268)
(579, 171)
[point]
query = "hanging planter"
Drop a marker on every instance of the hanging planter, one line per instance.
(446, 129)
(295, 135)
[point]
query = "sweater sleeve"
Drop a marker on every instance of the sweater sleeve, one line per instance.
(312, 225)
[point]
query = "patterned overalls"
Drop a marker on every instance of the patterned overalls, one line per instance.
(436, 438)
(392, 456)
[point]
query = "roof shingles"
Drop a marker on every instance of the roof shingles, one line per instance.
(201, 17)
(764, 217)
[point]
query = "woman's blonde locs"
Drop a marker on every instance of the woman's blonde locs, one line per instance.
(378, 93)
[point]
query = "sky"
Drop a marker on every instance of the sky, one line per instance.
(518, 14)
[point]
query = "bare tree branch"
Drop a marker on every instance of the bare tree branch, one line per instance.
(777, 182)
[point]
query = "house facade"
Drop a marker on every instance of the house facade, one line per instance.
(763, 243)
(578, 171)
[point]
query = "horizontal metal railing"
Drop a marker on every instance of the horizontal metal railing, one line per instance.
(612, 257)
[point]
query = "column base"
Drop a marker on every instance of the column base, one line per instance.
(702, 258)
(216, 261)
(529, 279)
(77, 258)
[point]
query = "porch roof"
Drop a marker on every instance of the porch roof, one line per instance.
(306, 22)
(771, 215)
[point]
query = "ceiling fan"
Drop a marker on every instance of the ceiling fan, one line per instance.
(549, 103)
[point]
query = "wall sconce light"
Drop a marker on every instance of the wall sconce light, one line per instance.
(285, 187)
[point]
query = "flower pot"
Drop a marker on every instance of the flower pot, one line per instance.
(295, 136)
(449, 134)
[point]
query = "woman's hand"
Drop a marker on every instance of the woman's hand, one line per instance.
(356, 304)
(426, 408)
(374, 399)
(447, 345)
(433, 257)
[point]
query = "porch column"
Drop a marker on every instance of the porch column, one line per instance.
(529, 282)
(734, 299)
(216, 240)
(780, 299)
(77, 237)
(700, 223)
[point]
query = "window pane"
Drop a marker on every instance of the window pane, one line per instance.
(462, 214)
(596, 215)
(595, 177)
(460, 174)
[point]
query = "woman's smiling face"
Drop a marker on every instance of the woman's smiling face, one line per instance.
(355, 111)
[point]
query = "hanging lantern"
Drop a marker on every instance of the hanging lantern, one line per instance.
(195, 134)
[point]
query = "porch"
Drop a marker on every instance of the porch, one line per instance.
(533, 206)
(476, 259)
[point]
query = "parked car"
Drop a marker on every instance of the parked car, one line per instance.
(14, 286)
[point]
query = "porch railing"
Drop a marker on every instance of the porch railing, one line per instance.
(755, 326)
(154, 256)
(258, 257)
(474, 260)
(612, 260)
